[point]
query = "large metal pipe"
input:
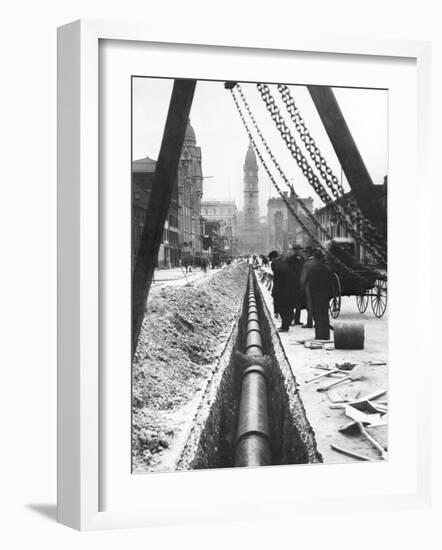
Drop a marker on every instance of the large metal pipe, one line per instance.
(253, 443)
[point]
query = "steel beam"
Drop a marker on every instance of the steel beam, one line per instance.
(349, 156)
(162, 187)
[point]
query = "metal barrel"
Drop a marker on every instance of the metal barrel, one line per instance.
(349, 335)
(253, 443)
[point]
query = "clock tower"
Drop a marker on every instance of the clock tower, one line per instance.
(251, 193)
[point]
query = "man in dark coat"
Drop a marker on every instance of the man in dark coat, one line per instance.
(305, 291)
(295, 262)
(316, 280)
(284, 288)
(274, 264)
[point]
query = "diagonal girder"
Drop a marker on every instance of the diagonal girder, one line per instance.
(349, 156)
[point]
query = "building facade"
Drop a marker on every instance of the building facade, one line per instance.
(284, 230)
(143, 172)
(336, 229)
(190, 192)
(183, 229)
(225, 213)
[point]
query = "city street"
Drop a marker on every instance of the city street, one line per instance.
(189, 329)
(324, 420)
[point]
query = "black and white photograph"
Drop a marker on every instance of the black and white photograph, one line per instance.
(221, 282)
(259, 274)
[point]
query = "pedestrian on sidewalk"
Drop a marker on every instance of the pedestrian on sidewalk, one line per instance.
(273, 259)
(316, 280)
(295, 262)
(284, 290)
(306, 298)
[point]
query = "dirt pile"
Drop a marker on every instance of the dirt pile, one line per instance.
(183, 333)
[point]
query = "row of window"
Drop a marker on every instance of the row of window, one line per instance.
(170, 237)
(217, 211)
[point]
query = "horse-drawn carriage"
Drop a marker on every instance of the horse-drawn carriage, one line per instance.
(363, 281)
(366, 282)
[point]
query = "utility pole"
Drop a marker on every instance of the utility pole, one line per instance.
(162, 187)
(348, 155)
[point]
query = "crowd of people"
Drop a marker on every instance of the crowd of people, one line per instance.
(301, 280)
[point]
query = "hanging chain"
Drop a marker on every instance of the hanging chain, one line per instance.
(289, 206)
(298, 199)
(307, 170)
(309, 142)
(349, 204)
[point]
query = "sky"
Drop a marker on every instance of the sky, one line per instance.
(224, 141)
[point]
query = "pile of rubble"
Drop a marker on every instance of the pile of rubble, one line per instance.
(183, 334)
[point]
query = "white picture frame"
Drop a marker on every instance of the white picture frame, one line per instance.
(79, 367)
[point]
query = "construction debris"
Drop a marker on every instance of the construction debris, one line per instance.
(358, 372)
(350, 453)
(355, 429)
(363, 411)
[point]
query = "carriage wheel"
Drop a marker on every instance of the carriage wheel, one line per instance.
(335, 301)
(379, 298)
(362, 303)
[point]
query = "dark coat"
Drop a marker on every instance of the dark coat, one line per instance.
(295, 264)
(317, 276)
(286, 286)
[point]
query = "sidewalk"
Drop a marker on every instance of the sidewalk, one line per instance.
(324, 420)
(177, 276)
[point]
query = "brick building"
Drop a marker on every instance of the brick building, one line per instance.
(143, 171)
(335, 228)
(183, 229)
(225, 213)
(284, 229)
(190, 192)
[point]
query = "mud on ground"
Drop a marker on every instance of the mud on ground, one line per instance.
(183, 333)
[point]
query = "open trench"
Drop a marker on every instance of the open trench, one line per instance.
(213, 440)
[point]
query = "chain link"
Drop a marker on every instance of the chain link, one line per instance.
(307, 170)
(298, 199)
(289, 206)
(349, 204)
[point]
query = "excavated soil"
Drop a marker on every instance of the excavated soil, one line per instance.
(183, 334)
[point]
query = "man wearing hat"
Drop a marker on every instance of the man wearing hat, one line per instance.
(295, 262)
(307, 301)
(316, 280)
(277, 266)
(286, 288)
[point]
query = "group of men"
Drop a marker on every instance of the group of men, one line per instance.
(302, 280)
